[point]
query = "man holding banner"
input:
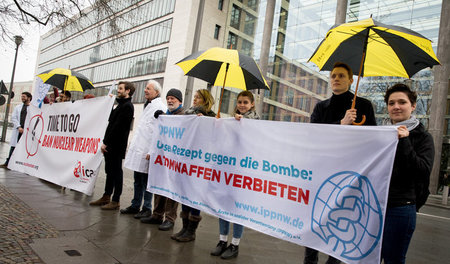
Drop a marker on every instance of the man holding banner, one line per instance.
(336, 110)
(137, 155)
(114, 146)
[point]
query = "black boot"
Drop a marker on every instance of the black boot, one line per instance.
(185, 218)
(232, 251)
(189, 235)
(220, 248)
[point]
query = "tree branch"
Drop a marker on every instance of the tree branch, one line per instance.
(31, 15)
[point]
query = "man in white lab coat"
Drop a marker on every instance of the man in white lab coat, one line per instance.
(18, 119)
(137, 158)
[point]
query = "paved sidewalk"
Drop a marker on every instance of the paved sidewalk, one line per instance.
(19, 226)
(41, 223)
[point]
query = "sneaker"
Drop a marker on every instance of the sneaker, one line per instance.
(129, 210)
(166, 225)
(220, 248)
(4, 166)
(143, 213)
(151, 220)
(232, 251)
(111, 206)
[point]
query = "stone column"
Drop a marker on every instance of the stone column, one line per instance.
(341, 11)
(265, 49)
(440, 92)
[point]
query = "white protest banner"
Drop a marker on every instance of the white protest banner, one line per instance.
(61, 142)
(321, 186)
(40, 91)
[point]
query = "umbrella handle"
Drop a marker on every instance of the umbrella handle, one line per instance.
(223, 88)
(360, 123)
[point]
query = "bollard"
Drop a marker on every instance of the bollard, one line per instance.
(445, 195)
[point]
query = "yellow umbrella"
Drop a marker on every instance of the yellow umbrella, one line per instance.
(67, 80)
(224, 67)
(375, 49)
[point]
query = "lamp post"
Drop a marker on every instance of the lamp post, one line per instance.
(18, 40)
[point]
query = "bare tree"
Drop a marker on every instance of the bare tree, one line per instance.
(21, 16)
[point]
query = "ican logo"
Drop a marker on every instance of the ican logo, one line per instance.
(84, 174)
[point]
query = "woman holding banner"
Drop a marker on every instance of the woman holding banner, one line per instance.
(202, 104)
(245, 108)
(408, 189)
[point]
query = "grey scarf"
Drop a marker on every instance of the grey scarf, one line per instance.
(411, 123)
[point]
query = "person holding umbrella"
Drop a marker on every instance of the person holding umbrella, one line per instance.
(202, 104)
(338, 110)
(408, 189)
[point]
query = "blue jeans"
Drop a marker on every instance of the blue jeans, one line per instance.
(399, 227)
(140, 186)
(224, 228)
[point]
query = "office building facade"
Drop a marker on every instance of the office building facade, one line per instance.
(152, 35)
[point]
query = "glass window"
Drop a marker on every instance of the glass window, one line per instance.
(235, 16)
(216, 32)
(253, 4)
(246, 47)
(249, 24)
(232, 41)
(220, 7)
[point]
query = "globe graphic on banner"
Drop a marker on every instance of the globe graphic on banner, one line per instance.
(347, 215)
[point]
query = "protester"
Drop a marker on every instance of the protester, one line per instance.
(65, 96)
(166, 208)
(202, 104)
(137, 158)
(336, 110)
(410, 174)
(245, 108)
(114, 146)
(18, 119)
(52, 96)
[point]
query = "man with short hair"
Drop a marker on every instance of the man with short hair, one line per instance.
(337, 110)
(18, 119)
(65, 96)
(137, 158)
(166, 208)
(114, 146)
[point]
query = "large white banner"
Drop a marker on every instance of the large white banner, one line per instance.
(61, 142)
(321, 186)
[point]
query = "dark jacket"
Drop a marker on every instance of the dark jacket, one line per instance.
(412, 167)
(332, 110)
(116, 135)
(194, 110)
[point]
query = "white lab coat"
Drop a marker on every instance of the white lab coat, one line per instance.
(140, 144)
(15, 119)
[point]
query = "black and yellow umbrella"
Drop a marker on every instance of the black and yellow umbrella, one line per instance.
(67, 80)
(224, 67)
(375, 49)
